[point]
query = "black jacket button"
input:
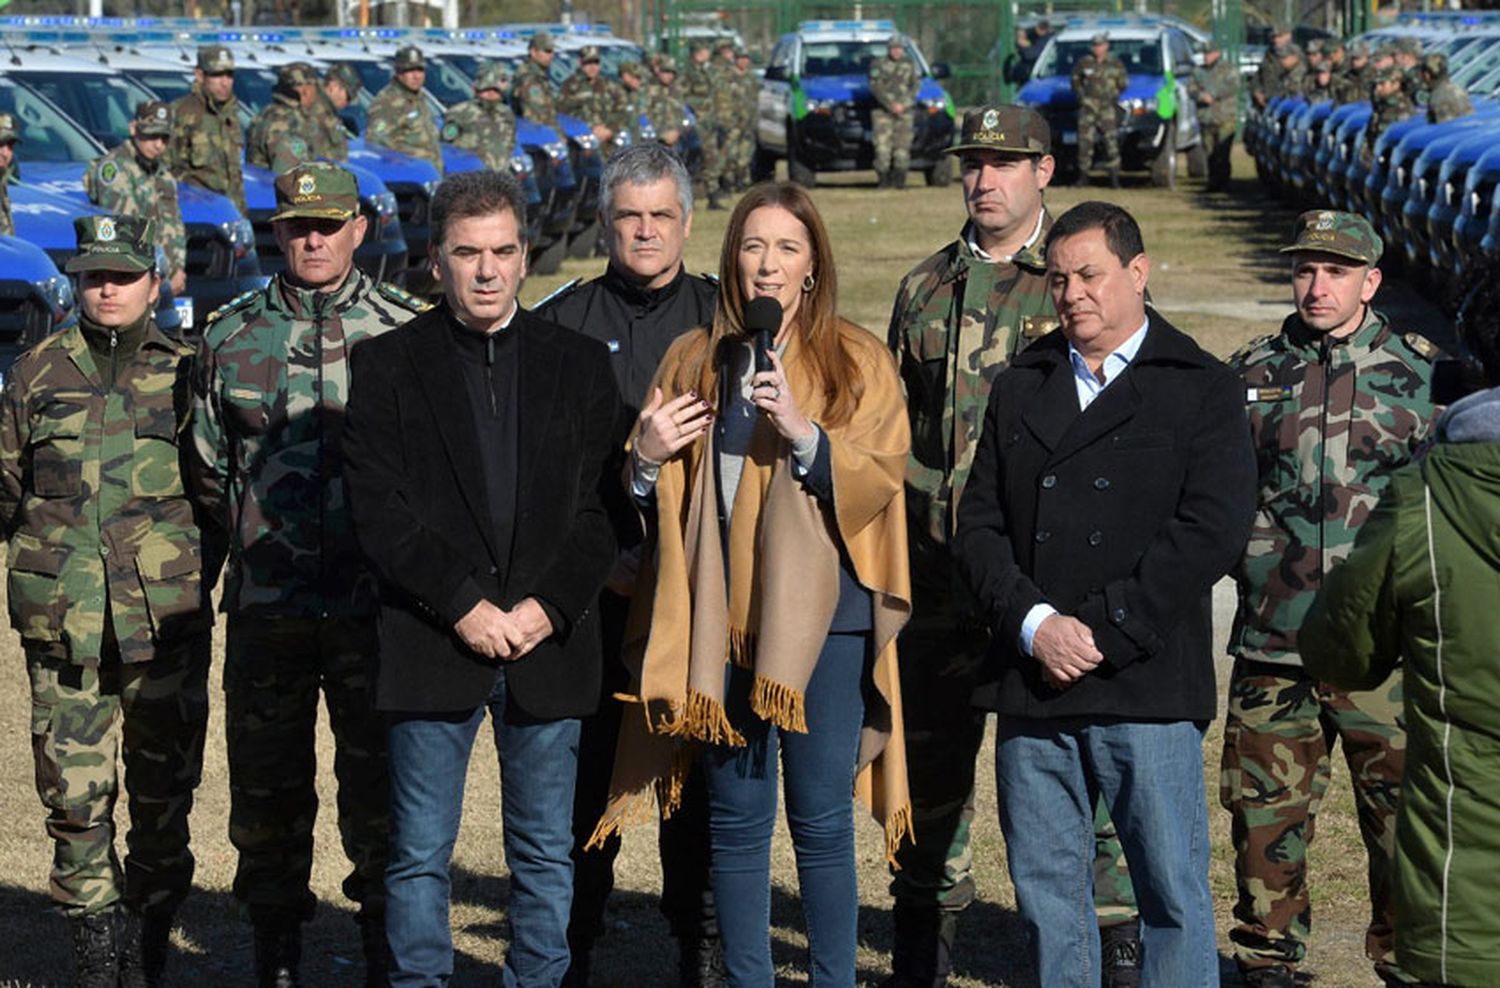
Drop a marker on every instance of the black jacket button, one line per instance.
(1118, 615)
(1095, 538)
(1101, 483)
(1049, 481)
(1043, 535)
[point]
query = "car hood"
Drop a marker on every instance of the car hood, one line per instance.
(855, 88)
(1056, 92)
(390, 166)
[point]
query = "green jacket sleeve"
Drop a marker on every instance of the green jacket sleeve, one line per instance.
(1351, 636)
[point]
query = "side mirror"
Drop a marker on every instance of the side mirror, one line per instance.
(776, 72)
(940, 70)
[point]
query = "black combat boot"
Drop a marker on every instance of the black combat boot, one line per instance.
(898, 178)
(922, 952)
(1120, 954)
(96, 961)
(377, 950)
(700, 963)
(278, 952)
(1114, 177)
(715, 199)
(128, 943)
(1275, 976)
(881, 181)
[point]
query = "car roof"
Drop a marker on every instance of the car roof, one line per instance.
(1131, 32)
(49, 60)
(124, 59)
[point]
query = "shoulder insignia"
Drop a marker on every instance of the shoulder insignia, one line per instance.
(235, 304)
(402, 297)
(558, 294)
(1422, 345)
(1243, 353)
(1035, 327)
(108, 172)
(1273, 392)
(450, 131)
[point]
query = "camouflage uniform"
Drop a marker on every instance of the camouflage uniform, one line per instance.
(330, 138)
(1293, 81)
(958, 319)
(9, 131)
(124, 183)
(270, 384)
(486, 127)
(1218, 119)
(108, 592)
(1330, 420)
(1267, 80)
(700, 85)
(531, 94)
(401, 120)
(893, 82)
(747, 99)
(595, 101)
(727, 111)
(1386, 110)
(631, 104)
(664, 105)
(1352, 85)
(1445, 101)
(282, 136)
(207, 145)
(1098, 86)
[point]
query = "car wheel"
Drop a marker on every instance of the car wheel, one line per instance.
(548, 259)
(581, 244)
(1197, 161)
(796, 171)
(941, 173)
(1164, 168)
(762, 165)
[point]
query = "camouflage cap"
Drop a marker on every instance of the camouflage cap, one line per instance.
(347, 77)
(1385, 50)
(741, 52)
(895, 41)
(1279, 28)
(316, 189)
(1016, 129)
(491, 75)
(665, 63)
(700, 44)
(410, 57)
(1327, 231)
(1101, 38)
(153, 118)
(113, 243)
(633, 68)
(1331, 45)
(1391, 73)
(1287, 49)
(10, 128)
(588, 53)
(1360, 49)
(1315, 46)
(1409, 46)
(215, 59)
(296, 74)
(542, 41)
(1435, 64)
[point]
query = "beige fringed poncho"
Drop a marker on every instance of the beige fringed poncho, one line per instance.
(773, 615)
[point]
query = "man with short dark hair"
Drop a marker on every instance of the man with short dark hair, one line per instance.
(266, 458)
(1113, 486)
(1215, 89)
(894, 83)
(644, 300)
(1099, 80)
(484, 124)
(340, 87)
(210, 146)
(283, 134)
(531, 94)
(479, 453)
(399, 117)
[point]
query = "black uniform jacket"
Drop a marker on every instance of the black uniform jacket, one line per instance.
(417, 492)
(1123, 516)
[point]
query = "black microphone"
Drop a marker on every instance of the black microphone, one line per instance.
(762, 322)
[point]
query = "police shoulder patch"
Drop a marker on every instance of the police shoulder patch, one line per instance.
(1422, 345)
(402, 297)
(1244, 353)
(450, 130)
(108, 172)
(235, 304)
(558, 294)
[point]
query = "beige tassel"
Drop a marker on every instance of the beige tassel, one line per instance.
(704, 719)
(778, 704)
(669, 787)
(898, 827)
(742, 648)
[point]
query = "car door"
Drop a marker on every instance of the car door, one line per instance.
(774, 105)
(1180, 57)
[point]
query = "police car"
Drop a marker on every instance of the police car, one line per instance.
(1153, 51)
(815, 102)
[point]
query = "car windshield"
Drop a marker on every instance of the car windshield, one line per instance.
(447, 81)
(614, 56)
(167, 84)
(253, 87)
(1479, 66)
(46, 133)
(374, 75)
(821, 58)
(103, 104)
(1142, 56)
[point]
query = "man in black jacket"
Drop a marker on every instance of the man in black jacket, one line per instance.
(1114, 484)
(478, 449)
(644, 300)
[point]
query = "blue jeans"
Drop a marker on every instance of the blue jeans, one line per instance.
(1048, 773)
(429, 755)
(742, 784)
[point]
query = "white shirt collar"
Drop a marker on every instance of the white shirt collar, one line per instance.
(983, 255)
(1111, 368)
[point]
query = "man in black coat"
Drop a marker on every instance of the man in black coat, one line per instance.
(1113, 486)
(478, 450)
(644, 300)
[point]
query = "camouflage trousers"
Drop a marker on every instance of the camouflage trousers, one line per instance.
(944, 732)
(738, 147)
(85, 719)
(1218, 142)
(274, 670)
(1280, 731)
(892, 136)
(712, 137)
(1100, 121)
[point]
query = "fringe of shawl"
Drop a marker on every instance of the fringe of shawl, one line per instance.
(779, 704)
(704, 719)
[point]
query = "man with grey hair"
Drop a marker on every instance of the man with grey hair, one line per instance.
(642, 302)
(487, 585)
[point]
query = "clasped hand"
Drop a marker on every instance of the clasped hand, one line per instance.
(496, 633)
(1064, 646)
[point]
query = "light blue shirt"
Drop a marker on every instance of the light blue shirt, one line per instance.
(1089, 387)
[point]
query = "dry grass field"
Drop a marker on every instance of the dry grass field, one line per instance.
(1215, 274)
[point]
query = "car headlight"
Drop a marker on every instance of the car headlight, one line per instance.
(935, 105)
(521, 164)
(1139, 107)
(430, 186)
(823, 106)
(587, 141)
(57, 291)
(385, 206)
(556, 150)
(241, 236)
(1400, 176)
